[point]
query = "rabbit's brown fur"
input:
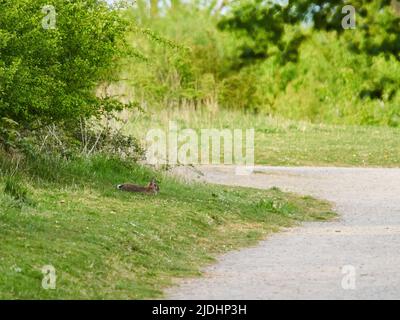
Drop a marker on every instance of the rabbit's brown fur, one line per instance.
(151, 188)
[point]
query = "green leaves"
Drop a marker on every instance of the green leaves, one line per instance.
(50, 75)
(264, 25)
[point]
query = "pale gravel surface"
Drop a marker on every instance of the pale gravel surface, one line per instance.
(306, 262)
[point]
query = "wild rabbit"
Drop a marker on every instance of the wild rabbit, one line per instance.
(152, 187)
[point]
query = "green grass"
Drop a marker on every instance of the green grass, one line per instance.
(289, 143)
(105, 244)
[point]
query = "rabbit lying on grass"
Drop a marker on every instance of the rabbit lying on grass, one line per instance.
(151, 188)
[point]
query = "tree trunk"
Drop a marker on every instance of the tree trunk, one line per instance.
(396, 6)
(175, 4)
(154, 8)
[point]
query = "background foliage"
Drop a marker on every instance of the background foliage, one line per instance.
(294, 61)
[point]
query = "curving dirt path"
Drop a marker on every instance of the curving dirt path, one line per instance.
(307, 262)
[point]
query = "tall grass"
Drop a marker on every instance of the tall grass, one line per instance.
(16, 189)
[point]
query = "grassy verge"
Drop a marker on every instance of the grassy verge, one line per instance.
(111, 245)
(283, 142)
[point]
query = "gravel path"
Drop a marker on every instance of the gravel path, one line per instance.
(307, 262)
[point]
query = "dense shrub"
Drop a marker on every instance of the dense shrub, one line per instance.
(184, 71)
(330, 84)
(49, 72)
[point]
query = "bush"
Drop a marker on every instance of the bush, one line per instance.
(50, 74)
(87, 138)
(187, 74)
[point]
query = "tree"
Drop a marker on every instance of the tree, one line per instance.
(267, 28)
(154, 8)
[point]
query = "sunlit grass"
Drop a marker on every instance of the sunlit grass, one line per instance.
(283, 142)
(105, 244)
